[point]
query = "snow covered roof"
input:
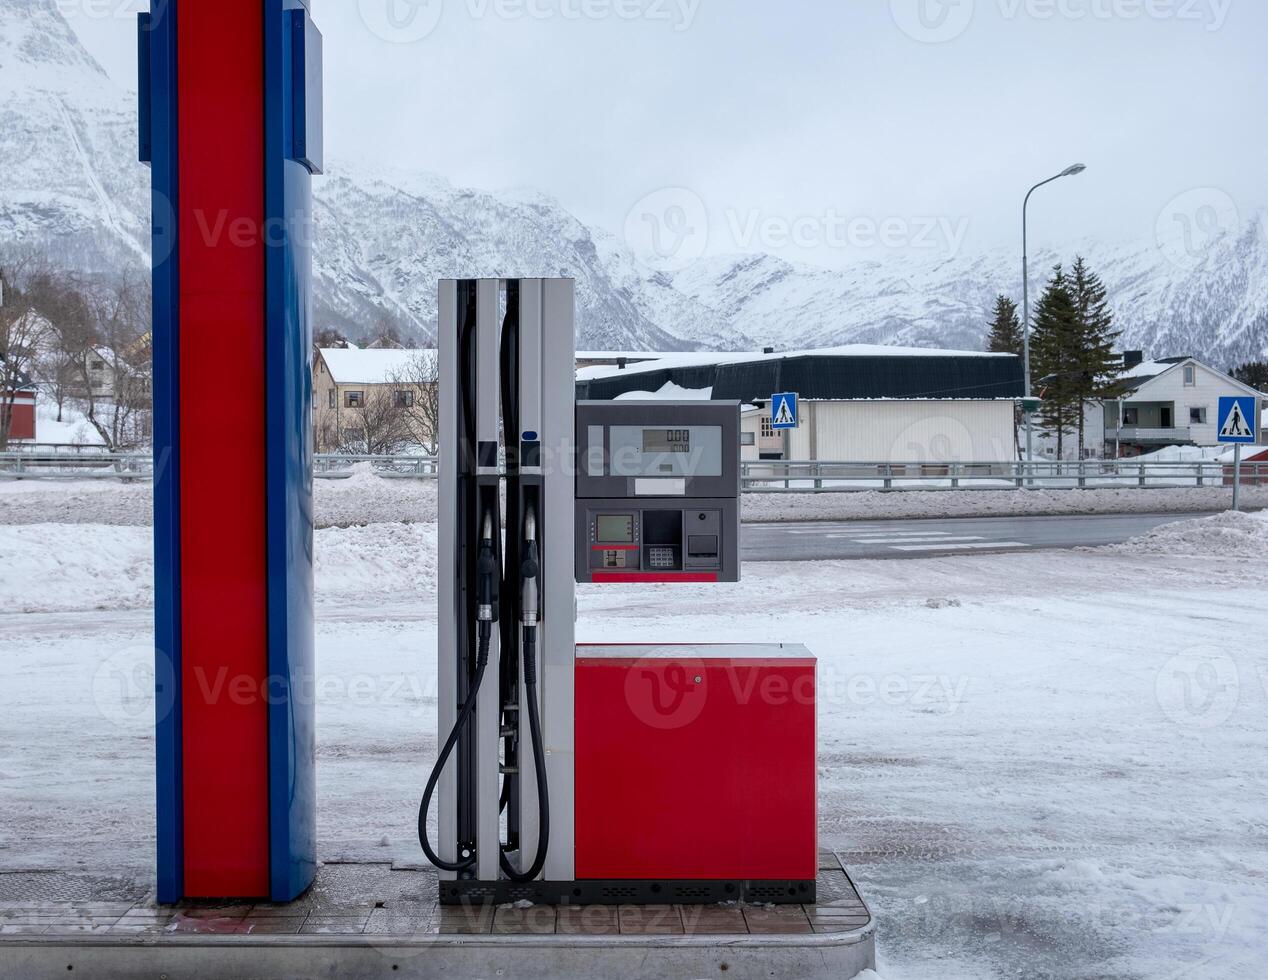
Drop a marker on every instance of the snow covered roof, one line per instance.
(659, 362)
(627, 355)
(366, 367)
(856, 372)
(1134, 378)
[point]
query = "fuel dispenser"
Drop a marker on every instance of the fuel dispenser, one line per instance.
(597, 774)
(658, 492)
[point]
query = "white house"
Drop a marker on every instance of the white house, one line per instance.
(1172, 402)
(1169, 402)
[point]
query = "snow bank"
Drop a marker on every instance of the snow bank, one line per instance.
(58, 568)
(1227, 535)
(364, 498)
(867, 505)
(68, 567)
(396, 560)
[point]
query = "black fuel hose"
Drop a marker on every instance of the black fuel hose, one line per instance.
(486, 570)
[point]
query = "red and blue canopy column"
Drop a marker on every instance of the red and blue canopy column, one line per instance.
(230, 105)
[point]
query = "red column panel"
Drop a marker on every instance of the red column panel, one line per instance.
(695, 781)
(222, 311)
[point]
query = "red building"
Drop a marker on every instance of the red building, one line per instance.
(1254, 471)
(23, 424)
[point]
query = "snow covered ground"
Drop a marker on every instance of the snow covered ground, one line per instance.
(1041, 765)
(867, 505)
(368, 499)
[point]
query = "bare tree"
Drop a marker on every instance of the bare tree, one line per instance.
(386, 333)
(22, 333)
(330, 337)
(377, 428)
(420, 379)
(119, 409)
(101, 348)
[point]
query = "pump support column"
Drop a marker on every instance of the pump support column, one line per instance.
(230, 122)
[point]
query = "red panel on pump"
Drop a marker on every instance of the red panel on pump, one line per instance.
(222, 308)
(695, 768)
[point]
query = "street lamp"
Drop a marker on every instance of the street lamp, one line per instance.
(1073, 171)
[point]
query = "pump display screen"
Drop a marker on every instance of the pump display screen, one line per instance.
(666, 440)
(616, 528)
(665, 451)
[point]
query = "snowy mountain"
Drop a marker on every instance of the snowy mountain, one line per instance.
(69, 181)
(1213, 305)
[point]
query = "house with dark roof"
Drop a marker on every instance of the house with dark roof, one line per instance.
(857, 403)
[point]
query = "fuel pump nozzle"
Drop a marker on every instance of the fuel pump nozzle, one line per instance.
(486, 575)
(530, 601)
(530, 571)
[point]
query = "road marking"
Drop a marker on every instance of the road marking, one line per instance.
(868, 535)
(958, 547)
(921, 540)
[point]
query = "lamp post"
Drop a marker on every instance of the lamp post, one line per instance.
(1072, 171)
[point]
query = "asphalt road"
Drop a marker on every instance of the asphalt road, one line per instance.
(822, 541)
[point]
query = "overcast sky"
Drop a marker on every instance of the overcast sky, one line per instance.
(850, 125)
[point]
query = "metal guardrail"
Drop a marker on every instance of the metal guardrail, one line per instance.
(766, 476)
(778, 476)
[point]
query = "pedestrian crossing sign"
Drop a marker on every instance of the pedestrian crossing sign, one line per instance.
(783, 411)
(1238, 418)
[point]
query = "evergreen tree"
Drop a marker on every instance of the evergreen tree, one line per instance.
(1254, 374)
(1053, 347)
(1005, 336)
(1095, 364)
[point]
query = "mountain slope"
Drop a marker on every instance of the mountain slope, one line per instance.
(69, 181)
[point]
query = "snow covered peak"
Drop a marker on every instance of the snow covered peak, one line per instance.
(39, 51)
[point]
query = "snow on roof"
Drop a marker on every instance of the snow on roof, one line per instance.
(629, 355)
(1146, 370)
(705, 358)
(366, 367)
(668, 392)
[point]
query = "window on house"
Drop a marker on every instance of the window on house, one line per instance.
(748, 438)
(1190, 375)
(321, 367)
(768, 430)
(333, 397)
(405, 399)
(1131, 416)
(354, 399)
(1197, 416)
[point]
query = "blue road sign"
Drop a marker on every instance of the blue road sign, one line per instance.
(1239, 420)
(783, 411)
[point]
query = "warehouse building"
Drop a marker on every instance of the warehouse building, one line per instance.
(857, 403)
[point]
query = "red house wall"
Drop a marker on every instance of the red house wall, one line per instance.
(23, 424)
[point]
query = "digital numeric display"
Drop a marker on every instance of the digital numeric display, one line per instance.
(666, 441)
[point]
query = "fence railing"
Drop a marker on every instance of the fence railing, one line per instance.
(778, 476)
(766, 476)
